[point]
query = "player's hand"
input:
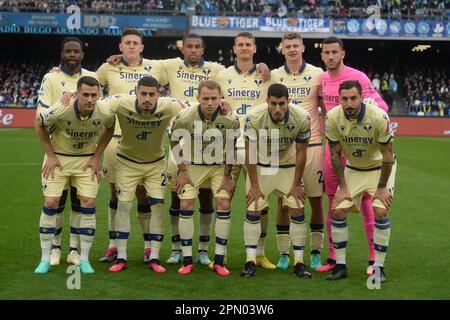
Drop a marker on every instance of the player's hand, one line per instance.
(370, 101)
(253, 195)
(227, 185)
(94, 164)
(114, 59)
(341, 195)
(55, 69)
(225, 107)
(182, 180)
(384, 196)
(50, 165)
(298, 193)
(264, 71)
(65, 99)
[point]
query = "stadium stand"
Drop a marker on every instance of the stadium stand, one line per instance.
(437, 9)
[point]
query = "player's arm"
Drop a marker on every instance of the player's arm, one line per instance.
(342, 192)
(300, 161)
(382, 192)
(41, 123)
(263, 70)
(385, 142)
(105, 138)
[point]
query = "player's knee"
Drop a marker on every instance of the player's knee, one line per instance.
(51, 202)
(339, 213)
(205, 198)
(87, 202)
(187, 204)
(380, 213)
(222, 204)
(175, 201)
(296, 212)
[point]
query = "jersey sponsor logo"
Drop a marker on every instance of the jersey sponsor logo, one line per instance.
(245, 93)
(81, 134)
(359, 140)
(79, 145)
(331, 98)
(190, 92)
(243, 109)
(299, 90)
(182, 74)
(143, 124)
(358, 153)
(132, 76)
(143, 135)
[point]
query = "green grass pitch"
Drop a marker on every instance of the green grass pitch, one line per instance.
(416, 264)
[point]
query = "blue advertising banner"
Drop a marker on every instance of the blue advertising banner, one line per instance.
(88, 24)
(392, 28)
(261, 23)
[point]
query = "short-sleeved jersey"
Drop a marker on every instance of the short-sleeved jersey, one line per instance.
(142, 135)
(184, 79)
(295, 128)
(55, 84)
(359, 138)
(330, 87)
(204, 132)
(303, 85)
(123, 78)
(72, 134)
(242, 90)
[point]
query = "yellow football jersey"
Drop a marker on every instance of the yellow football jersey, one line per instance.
(261, 127)
(73, 135)
(242, 90)
(303, 86)
(359, 138)
(142, 135)
(184, 79)
(203, 133)
(123, 78)
(55, 84)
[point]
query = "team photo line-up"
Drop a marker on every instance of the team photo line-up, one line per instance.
(221, 122)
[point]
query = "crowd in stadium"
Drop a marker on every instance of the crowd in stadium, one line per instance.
(312, 8)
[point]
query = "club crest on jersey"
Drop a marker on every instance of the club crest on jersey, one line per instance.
(220, 126)
(229, 81)
(258, 82)
(130, 113)
(307, 78)
(342, 127)
(96, 123)
(206, 72)
(159, 115)
(159, 237)
(148, 68)
(290, 127)
(63, 83)
(281, 79)
(69, 122)
(44, 187)
(367, 128)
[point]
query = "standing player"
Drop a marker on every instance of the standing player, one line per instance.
(144, 119)
(303, 82)
(244, 88)
(184, 76)
(333, 55)
(362, 132)
(206, 127)
(72, 150)
(123, 79)
(283, 129)
(53, 87)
